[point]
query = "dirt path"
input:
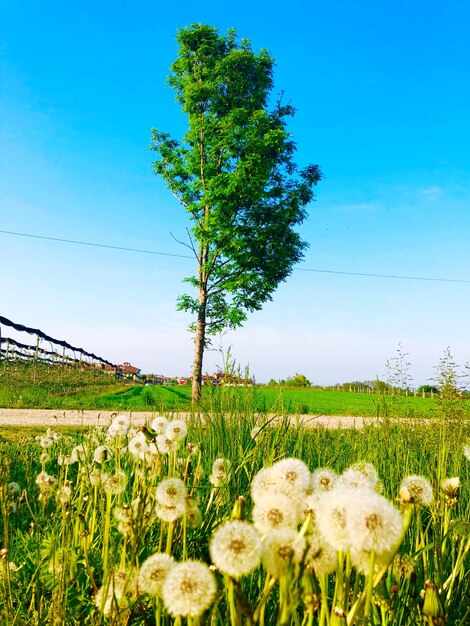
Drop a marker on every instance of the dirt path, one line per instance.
(53, 417)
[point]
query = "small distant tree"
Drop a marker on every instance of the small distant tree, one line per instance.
(234, 173)
(299, 380)
(428, 389)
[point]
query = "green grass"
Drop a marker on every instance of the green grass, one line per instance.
(27, 386)
(84, 530)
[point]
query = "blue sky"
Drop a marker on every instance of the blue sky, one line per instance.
(381, 91)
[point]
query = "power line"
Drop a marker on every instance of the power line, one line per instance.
(94, 245)
(426, 278)
(184, 256)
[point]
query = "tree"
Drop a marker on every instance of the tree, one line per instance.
(233, 172)
(299, 380)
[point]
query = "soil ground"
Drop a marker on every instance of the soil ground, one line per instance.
(53, 417)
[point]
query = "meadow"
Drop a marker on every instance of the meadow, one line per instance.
(24, 385)
(231, 518)
(228, 519)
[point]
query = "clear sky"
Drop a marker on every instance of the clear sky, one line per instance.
(381, 91)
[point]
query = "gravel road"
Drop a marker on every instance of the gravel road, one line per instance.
(51, 417)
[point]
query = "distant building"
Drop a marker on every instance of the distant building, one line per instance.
(129, 371)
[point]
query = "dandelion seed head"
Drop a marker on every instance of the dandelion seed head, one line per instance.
(114, 484)
(138, 446)
(13, 488)
(153, 573)
(354, 479)
(290, 477)
(78, 454)
(95, 477)
(176, 430)
(45, 482)
(189, 589)
(124, 519)
(275, 511)
(165, 445)
(220, 472)
(101, 454)
(119, 426)
(170, 512)
(193, 516)
(65, 459)
(119, 591)
(373, 523)
(45, 442)
(52, 434)
(321, 557)
(309, 507)
(263, 483)
(360, 559)
(332, 514)
(281, 548)
(235, 548)
(171, 491)
(64, 493)
(416, 490)
(158, 424)
(451, 486)
(323, 479)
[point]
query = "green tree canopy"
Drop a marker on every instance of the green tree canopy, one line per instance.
(233, 171)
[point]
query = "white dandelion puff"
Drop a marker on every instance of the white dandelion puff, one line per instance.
(235, 548)
(176, 430)
(153, 573)
(158, 424)
(451, 486)
(171, 491)
(275, 511)
(373, 523)
(119, 426)
(124, 519)
(45, 442)
(114, 484)
(138, 446)
(189, 589)
(118, 593)
(64, 493)
(332, 515)
(416, 490)
(78, 454)
(262, 483)
(290, 477)
(165, 445)
(13, 488)
(192, 515)
(354, 479)
(46, 484)
(170, 512)
(101, 454)
(220, 472)
(321, 557)
(323, 479)
(281, 548)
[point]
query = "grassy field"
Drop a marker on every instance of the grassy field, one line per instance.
(84, 525)
(24, 386)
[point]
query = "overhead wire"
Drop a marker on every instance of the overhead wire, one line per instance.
(185, 256)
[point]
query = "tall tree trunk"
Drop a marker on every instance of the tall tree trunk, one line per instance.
(199, 341)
